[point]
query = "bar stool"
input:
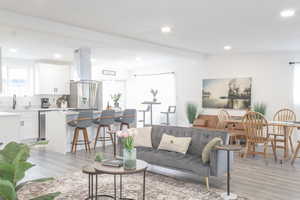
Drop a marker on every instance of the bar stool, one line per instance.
(144, 115)
(83, 121)
(128, 117)
(171, 110)
(106, 120)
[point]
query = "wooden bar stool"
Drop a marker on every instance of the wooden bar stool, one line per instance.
(81, 124)
(128, 117)
(105, 121)
(296, 153)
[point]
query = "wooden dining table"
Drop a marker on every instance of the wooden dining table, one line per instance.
(284, 124)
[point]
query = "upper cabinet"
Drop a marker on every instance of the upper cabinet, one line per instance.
(52, 79)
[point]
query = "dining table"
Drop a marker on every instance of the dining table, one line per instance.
(286, 125)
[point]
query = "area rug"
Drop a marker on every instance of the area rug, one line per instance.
(75, 186)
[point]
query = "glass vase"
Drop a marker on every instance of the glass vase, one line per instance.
(129, 158)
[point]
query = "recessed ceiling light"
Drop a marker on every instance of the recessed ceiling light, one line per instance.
(57, 56)
(287, 13)
(138, 59)
(166, 29)
(13, 50)
(227, 47)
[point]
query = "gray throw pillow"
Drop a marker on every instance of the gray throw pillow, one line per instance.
(208, 147)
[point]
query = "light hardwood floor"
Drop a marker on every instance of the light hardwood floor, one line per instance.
(254, 178)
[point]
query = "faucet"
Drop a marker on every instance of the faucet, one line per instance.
(14, 101)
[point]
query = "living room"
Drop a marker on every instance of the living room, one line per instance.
(200, 97)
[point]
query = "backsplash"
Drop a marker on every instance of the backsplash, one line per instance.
(22, 102)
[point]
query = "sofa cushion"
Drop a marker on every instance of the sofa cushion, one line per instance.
(142, 137)
(173, 160)
(200, 137)
(209, 147)
(172, 143)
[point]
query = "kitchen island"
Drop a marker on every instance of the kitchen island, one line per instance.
(60, 134)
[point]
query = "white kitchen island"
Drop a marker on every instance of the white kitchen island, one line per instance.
(60, 134)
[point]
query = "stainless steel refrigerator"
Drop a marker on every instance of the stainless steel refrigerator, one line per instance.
(86, 94)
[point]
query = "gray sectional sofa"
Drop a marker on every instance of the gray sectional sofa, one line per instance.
(191, 161)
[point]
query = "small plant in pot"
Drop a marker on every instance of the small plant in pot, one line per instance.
(191, 112)
(116, 99)
(129, 152)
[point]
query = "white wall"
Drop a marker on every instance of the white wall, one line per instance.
(188, 75)
(272, 77)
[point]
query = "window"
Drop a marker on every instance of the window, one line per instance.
(139, 88)
(17, 79)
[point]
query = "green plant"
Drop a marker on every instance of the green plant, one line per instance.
(99, 157)
(116, 98)
(260, 108)
(191, 111)
(13, 165)
(127, 139)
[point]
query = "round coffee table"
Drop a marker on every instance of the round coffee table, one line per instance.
(97, 169)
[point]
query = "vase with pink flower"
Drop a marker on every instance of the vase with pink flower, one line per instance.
(129, 152)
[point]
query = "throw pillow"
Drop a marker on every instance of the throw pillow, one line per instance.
(208, 147)
(172, 143)
(142, 137)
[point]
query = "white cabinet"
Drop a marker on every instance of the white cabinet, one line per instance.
(28, 125)
(52, 79)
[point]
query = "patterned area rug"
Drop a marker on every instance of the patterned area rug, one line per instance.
(75, 186)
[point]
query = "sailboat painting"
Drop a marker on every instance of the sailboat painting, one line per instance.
(232, 93)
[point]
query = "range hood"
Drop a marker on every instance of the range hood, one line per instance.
(82, 67)
(85, 93)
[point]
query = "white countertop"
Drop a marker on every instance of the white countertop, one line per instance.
(7, 114)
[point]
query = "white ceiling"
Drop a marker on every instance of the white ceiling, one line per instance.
(204, 26)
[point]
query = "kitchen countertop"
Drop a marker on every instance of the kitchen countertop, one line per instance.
(7, 114)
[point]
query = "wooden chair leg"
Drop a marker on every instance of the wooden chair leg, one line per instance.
(76, 140)
(265, 150)
(86, 139)
(274, 150)
(291, 144)
(97, 136)
(73, 141)
(207, 183)
(246, 150)
(295, 154)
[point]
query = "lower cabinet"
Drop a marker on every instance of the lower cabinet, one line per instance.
(28, 125)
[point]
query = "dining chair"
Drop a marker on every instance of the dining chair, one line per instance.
(83, 121)
(105, 121)
(128, 117)
(171, 110)
(280, 141)
(234, 135)
(296, 153)
(257, 132)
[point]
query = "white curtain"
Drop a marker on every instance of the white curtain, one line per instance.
(138, 91)
(296, 97)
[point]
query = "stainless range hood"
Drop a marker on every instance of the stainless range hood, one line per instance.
(85, 93)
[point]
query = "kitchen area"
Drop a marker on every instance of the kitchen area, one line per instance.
(61, 91)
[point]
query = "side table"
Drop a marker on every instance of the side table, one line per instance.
(228, 195)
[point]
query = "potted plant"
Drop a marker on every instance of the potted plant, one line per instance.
(260, 108)
(154, 93)
(191, 112)
(129, 152)
(116, 98)
(13, 165)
